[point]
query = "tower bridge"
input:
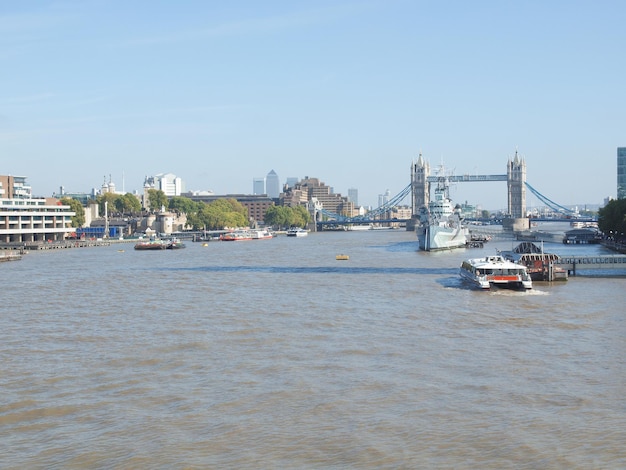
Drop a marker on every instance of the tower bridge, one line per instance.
(421, 180)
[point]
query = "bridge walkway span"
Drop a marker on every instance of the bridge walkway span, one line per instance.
(574, 263)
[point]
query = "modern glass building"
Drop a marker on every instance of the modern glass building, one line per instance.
(621, 172)
(258, 185)
(353, 196)
(272, 185)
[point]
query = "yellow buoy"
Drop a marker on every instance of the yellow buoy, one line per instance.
(342, 257)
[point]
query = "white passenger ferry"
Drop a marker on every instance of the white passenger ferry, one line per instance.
(495, 271)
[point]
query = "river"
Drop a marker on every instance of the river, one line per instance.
(273, 354)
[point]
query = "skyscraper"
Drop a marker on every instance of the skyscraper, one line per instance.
(258, 185)
(353, 196)
(292, 181)
(272, 185)
(384, 198)
(621, 172)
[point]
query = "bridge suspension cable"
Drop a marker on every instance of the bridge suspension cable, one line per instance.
(550, 203)
(393, 202)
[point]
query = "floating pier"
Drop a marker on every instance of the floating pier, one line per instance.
(574, 263)
(10, 255)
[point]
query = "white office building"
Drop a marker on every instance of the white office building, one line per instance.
(170, 184)
(34, 220)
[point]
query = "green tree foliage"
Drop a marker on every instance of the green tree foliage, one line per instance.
(301, 216)
(184, 205)
(278, 216)
(79, 219)
(282, 216)
(612, 218)
(220, 214)
(156, 199)
(108, 198)
(127, 203)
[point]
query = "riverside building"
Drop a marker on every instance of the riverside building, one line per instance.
(34, 220)
(27, 219)
(310, 189)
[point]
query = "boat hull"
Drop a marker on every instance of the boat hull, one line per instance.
(261, 235)
(240, 236)
(153, 245)
(433, 238)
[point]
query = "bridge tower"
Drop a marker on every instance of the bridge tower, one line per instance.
(420, 187)
(516, 185)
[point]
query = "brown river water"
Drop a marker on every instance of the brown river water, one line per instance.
(273, 354)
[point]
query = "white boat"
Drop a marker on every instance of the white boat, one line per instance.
(495, 271)
(440, 226)
(261, 234)
(236, 236)
(297, 232)
(358, 228)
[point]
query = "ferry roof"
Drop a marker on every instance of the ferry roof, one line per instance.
(494, 261)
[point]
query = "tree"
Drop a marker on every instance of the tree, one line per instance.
(283, 216)
(156, 199)
(109, 199)
(78, 220)
(612, 218)
(278, 216)
(127, 203)
(184, 205)
(301, 216)
(220, 214)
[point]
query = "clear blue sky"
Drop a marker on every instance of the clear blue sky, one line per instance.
(349, 91)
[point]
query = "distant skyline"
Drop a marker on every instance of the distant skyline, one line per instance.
(349, 92)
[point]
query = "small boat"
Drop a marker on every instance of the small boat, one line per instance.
(151, 245)
(261, 234)
(175, 244)
(342, 257)
(236, 236)
(495, 271)
(359, 228)
(297, 232)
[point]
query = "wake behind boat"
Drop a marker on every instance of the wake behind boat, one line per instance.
(495, 271)
(440, 225)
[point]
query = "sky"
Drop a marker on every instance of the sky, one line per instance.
(347, 91)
